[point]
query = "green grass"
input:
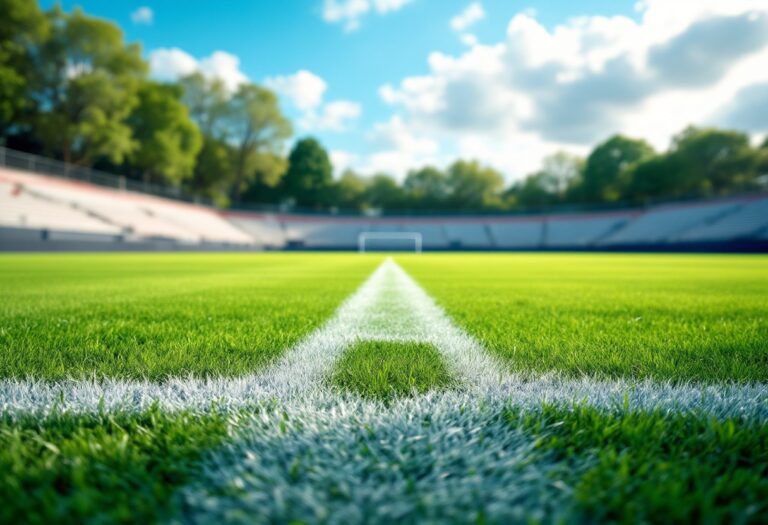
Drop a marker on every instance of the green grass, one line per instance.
(677, 317)
(101, 468)
(385, 370)
(154, 316)
(641, 467)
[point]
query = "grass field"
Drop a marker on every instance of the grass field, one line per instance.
(489, 388)
(679, 317)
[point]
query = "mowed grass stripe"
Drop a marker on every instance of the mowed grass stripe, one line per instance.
(154, 316)
(98, 468)
(386, 370)
(653, 466)
(683, 318)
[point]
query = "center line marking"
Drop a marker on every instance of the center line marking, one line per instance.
(388, 306)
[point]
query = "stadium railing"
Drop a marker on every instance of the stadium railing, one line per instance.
(11, 158)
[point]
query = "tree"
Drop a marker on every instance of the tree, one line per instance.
(208, 103)
(258, 129)
(85, 87)
(473, 186)
(426, 188)
(350, 191)
(604, 174)
(22, 27)
(212, 176)
(701, 162)
(168, 141)
(310, 174)
(712, 161)
(384, 192)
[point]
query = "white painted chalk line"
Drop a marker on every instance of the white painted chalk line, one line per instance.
(388, 306)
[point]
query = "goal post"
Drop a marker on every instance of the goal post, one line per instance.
(364, 237)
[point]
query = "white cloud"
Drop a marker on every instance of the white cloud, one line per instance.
(304, 89)
(143, 16)
(333, 116)
(469, 39)
(169, 64)
(342, 160)
(474, 12)
(542, 89)
(398, 148)
(350, 12)
(224, 66)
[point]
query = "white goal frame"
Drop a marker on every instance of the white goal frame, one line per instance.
(409, 236)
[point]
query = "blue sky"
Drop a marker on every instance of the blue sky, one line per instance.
(348, 50)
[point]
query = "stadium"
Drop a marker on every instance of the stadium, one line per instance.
(207, 317)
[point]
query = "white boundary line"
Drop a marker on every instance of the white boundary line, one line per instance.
(388, 306)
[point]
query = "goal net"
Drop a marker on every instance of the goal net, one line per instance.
(389, 241)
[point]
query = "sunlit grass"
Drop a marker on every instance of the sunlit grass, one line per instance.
(385, 370)
(677, 317)
(121, 468)
(154, 316)
(653, 467)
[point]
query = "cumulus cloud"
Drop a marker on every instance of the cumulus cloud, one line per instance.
(169, 64)
(143, 16)
(342, 160)
(349, 13)
(398, 148)
(333, 116)
(748, 110)
(574, 84)
(304, 89)
(474, 12)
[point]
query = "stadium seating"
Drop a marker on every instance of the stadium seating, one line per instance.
(464, 234)
(322, 234)
(518, 234)
(744, 221)
(665, 223)
(264, 229)
(578, 232)
(88, 208)
(432, 234)
(21, 209)
(64, 210)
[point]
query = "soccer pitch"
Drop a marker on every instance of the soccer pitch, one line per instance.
(342, 388)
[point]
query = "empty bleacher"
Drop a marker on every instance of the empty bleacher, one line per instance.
(744, 221)
(665, 223)
(463, 234)
(432, 234)
(35, 201)
(517, 234)
(38, 211)
(578, 232)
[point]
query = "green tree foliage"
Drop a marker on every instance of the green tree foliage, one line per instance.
(474, 186)
(85, 86)
(552, 184)
(604, 177)
(258, 130)
(208, 103)
(700, 163)
(167, 140)
(384, 192)
(350, 191)
(427, 188)
(22, 26)
(213, 171)
(309, 177)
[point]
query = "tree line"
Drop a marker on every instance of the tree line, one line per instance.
(73, 89)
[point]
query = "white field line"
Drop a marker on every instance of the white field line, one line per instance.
(388, 306)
